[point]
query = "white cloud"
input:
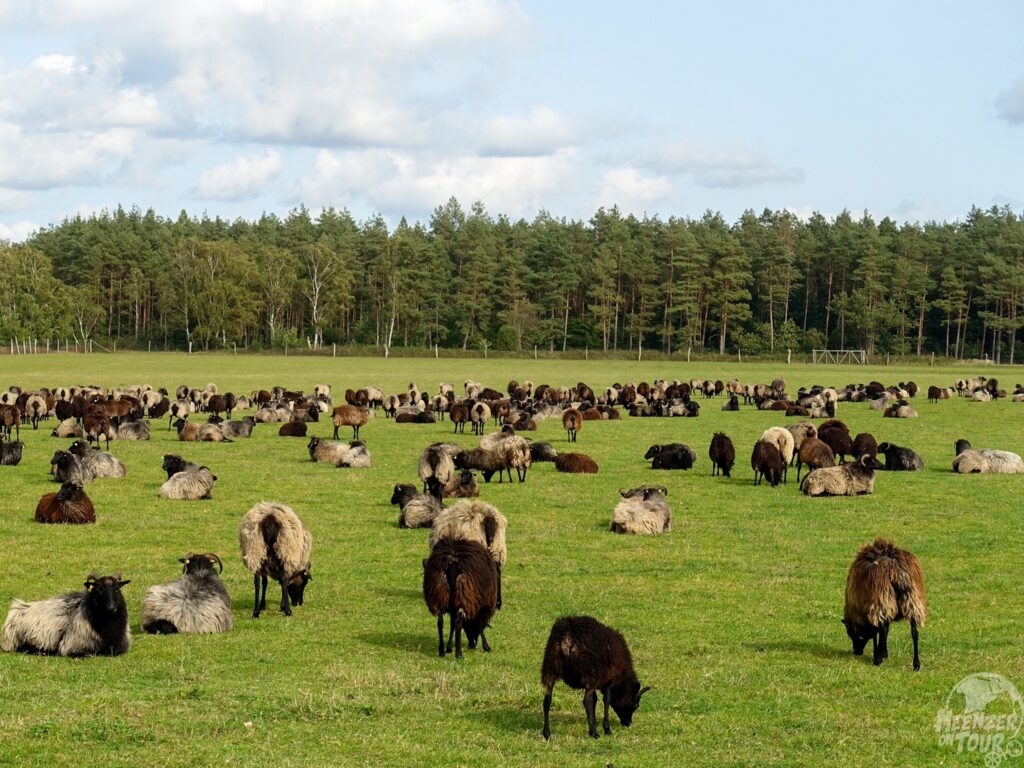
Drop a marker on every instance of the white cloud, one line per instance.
(242, 178)
(631, 191)
(43, 160)
(12, 200)
(18, 231)
(722, 167)
(1010, 103)
(538, 133)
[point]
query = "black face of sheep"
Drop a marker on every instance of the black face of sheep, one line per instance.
(67, 491)
(193, 563)
(961, 446)
(297, 586)
(626, 700)
(173, 464)
(105, 598)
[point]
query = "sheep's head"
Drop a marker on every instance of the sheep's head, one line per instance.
(173, 464)
(859, 636)
(314, 443)
(961, 446)
(869, 462)
(297, 585)
(197, 563)
(404, 491)
(67, 491)
(653, 451)
(625, 700)
(104, 592)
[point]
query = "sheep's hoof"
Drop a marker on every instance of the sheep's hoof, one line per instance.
(547, 734)
(255, 614)
(607, 731)
(287, 611)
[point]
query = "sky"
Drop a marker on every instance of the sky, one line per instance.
(238, 107)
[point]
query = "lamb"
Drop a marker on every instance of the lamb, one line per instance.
(438, 460)
(68, 428)
(766, 461)
(241, 428)
(68, 468)
(815, 454)
(349, 416)
(198, 602)
(782, 439)
(93, 622)
(576, 463)
(276, 544)
(589, 655)
(69, 505)
(460, 579)
(572, 422)
(852, 479)
(986, 460)
(189, 485)
(722, 454)
(100, 463)
(418, 510)
(473, 520)
(642, 510)
(671, 456)
(10, 453)
(899, 459)
(885, 584)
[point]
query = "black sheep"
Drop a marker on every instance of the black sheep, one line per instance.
(10, 453)
(722, 454)
(899, 459)
(671, 456)
(588, 655)
(460, 578)
(766, 461)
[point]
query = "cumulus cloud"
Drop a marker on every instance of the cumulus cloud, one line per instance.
(242, 178)
(18, 231)
(540, 132)
(44, 160)
(632, 191)
(722, 167)
(1010, 103)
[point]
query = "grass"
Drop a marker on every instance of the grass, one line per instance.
(733, 618)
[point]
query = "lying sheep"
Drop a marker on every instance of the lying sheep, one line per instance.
(671, 456)
(986, 460)
(275, 544)
(241, 428)
(68, 468)
(68, 428)
(197, 602)
(132, 430)
(543, 452)
(642, 510)
(173, 464)
(100, 463)
(576, 463)
(189, 485)
(438, 460)
(10, 453)
(93, 622)
(463, 485)
(899, 459)
(851, 479)
(69, 505)
(418, 510)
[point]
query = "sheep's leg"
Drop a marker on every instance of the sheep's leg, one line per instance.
(799, 467)
(263, 597)
(590, 707)
(355, 432)
(286, 607)
(498, 604)
(458, 634)
(877, 643)
(440, 634)
(885, 642)
(913, 635)
(606, 695)
(547, 712)
(335, 435)
(785, 473)
(451, 633)
(256, 598)
(483, 642)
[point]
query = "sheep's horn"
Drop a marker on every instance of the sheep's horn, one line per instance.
(622, 491)
(643, 690)
(218, 561)
(663, 489)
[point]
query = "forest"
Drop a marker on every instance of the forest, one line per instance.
(467, 279)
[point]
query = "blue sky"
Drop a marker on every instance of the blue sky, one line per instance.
(911, 110)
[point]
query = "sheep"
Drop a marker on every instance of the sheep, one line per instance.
(131, 430)
(100, 463)
(358, 456)
(69, 505)
(322, 390)
(671, 456)
(885, 584)
(473, 520)
(801, 431)
(349, 416)
(462, 485)
(986, 460)
(438, 460)
(815, 454)
(35, 408)
(205, 433)
(10, 417)
(241, 428)
(479, 415)
(782, 439)
(173, 464)
(899, 459)
(295, 429)
(642, 510)
(732, 404)
(576, 463)
(10, 453)
(338, 454)
(863, 443)
(189, 485)
(460, 579)
(981, 396)
(68, 468)
(198, 602)
(418, 510)
(900, 410)
(852, 479)
(498, 453)
(275, 544)
(722, 454)
(591, 656)
(68, 428)
(836, 436)
(92, 622)
(543, 452)
(572, 422)
(767, 461)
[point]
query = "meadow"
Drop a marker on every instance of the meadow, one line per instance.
(733, 617)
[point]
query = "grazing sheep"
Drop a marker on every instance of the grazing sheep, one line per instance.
(479, 415)
(462, 485)
(936, 393)
(591, 656)
(100, 463)
(815, 454)
(473, 520)
(642, 510)
(499, 453)
(671, 456)
(275, 544)
(899, 459)
(460, 579)
(722, 454)
(782, 439)
(885, 584)
(800, 432)
(349, 416)
(418, 510)
(572, 422)
(767, 462)
(576, 463)
(93, 622)
(836, 436)
(69, 505)
(68, 428)
(438, 460)
(189, 485)
(242, 428)
(10, 453)
(198, 602)
(68, 468)
(543, 452)
(852, 479)
(986, 460)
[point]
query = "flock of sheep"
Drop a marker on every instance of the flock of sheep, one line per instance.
(467, 540)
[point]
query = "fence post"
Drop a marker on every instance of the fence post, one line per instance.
(234, 348)
(190, 346)
(739, 354)
(150, 347)
(334, 349)
(789, 357)
(586, 354)
(688, 350)
(534, 351)
(115, 345)
(436, 349)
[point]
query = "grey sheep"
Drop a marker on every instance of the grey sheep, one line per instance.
(241, 428)
(986, 460)
(68, 428)
(438, 460)
(100, 463)
(418, 510)
(68, 468)
(189, 485)
(851, 479)
(197, 602)
(275, 544)
(642, 510)
(132, 430)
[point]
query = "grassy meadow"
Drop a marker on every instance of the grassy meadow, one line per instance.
(733, 617)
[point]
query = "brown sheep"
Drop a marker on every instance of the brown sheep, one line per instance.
(815, 454)
(350, 416)
(461, 579)
(459, 415)
(572, 422)
(576, 463)
(766, 461)
(294, 429)
(69, 505)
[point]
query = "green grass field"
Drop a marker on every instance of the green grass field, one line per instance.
(733, 617)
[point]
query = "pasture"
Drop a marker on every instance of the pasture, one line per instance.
(733, 617)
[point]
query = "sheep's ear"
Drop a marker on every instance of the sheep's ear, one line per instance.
(124, 583)
(643, 690)
(89, 584)
(183, 560)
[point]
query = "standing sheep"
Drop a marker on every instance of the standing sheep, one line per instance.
(349, 416)
(460, 579)
(782, 439)
(197, 602)
(276, 544)
(722, 454)
(815, 454)
(766, 461)
(474, 520)
(572, 422)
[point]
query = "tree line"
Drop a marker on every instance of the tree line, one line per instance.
(766, 283)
